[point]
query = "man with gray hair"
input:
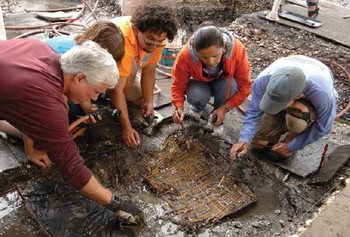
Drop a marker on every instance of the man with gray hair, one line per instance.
(294, 97)
(34, 81)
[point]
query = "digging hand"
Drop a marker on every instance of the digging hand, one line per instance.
(126, 211)
(131, 137)
(238, 150)
(149, 119)
(220, 115)
(178, 115)
(38, 157)
(147, 109)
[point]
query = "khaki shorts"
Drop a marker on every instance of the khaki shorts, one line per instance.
(272, 127)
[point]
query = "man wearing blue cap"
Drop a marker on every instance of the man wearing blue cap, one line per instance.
(293, 99)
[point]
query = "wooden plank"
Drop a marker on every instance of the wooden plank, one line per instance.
(300, 19)
(335, 26)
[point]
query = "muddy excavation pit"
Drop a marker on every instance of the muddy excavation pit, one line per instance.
(281, 208)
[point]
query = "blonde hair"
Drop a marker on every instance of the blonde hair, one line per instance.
(107, 35)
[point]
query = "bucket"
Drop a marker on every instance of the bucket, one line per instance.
(171, 50)
(168, 57)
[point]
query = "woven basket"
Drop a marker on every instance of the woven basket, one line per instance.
(190, 184)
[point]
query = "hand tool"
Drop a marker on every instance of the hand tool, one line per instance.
(228, 170)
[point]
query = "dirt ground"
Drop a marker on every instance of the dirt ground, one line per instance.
(283, 207)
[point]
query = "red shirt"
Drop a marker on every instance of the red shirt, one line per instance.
(31, 83)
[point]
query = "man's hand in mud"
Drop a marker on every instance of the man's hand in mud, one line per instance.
(131, 137)
(238, 150)
(126, 211)
(39, 158)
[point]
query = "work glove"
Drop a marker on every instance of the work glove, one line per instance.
(127, 212)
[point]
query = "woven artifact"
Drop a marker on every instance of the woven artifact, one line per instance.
(184, 176)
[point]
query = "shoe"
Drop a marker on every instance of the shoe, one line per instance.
(218, 131)
(195, 115)
(313, 13)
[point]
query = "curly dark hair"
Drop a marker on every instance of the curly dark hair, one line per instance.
(157, 18)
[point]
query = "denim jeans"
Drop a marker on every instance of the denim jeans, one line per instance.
(199, 93)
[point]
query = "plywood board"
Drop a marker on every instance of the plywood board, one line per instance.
(335, 24)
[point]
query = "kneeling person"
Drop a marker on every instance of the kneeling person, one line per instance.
(295, 97)
(33, 81)
(212, 64)
(287, 124)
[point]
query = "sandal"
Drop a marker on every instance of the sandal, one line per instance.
(313, 13)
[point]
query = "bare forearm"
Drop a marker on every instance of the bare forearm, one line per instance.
(147, 85)
(147, 90)
(119, 102)
(28, 144)
(96, 192)
(8, 129)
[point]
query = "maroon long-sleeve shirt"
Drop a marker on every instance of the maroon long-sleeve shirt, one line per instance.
(31, 83)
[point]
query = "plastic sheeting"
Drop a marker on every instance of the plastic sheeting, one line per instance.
(64, 212)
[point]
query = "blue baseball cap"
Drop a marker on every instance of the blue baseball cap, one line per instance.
(285, 84)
